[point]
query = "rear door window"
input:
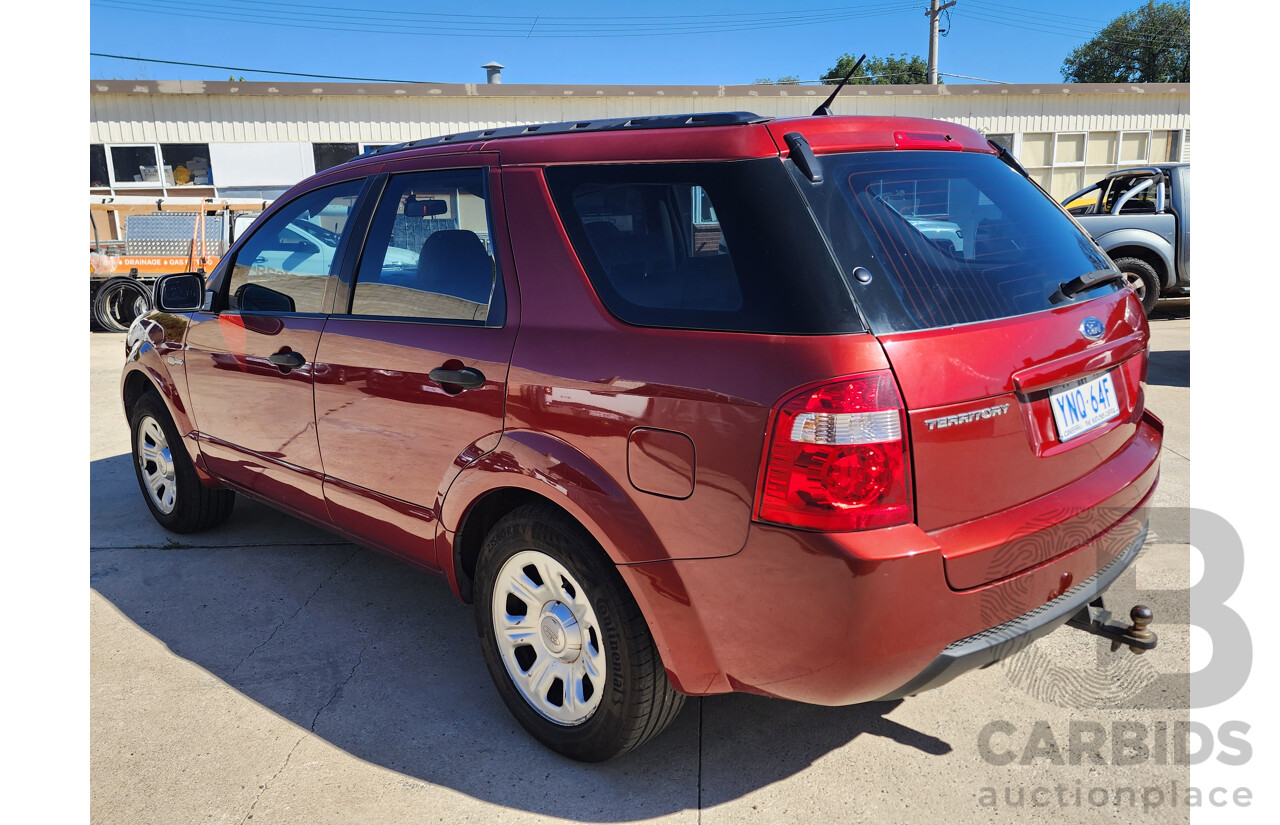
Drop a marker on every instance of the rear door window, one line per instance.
(429, 253)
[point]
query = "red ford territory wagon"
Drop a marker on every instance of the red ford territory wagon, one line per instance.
(830, 409)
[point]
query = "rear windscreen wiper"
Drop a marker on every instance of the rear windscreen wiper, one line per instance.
(1088, 280)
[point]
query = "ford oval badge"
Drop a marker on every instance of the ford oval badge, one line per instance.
(1091, 328)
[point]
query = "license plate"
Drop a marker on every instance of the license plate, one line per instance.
(1082, 405)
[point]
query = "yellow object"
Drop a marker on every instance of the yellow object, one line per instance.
(1084, 200)
(181, 176)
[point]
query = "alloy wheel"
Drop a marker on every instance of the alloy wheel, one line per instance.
(1135, 282)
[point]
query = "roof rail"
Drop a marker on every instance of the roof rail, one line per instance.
(617, 124)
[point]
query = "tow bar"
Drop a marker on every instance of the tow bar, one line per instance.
(1096, 619)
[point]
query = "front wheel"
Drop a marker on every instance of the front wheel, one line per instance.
(166, 476)
(565, 643)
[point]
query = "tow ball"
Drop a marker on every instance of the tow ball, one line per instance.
(1096, 619)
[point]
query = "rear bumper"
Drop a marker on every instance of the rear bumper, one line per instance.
(843, 618)
(990, 646)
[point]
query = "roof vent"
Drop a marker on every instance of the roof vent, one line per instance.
(494, 69)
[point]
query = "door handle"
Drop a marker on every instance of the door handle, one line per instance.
(288, 360)
(468, 377)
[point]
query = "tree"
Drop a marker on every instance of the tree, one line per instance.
(880, 70)
(785, 80)
(1150, 45)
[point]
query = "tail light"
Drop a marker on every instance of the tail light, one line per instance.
(837, 458)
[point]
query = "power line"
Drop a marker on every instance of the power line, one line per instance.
(365, 10)
(1032, 22)
(508, 28)
(257, 71)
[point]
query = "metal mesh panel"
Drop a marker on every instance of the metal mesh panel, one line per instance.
(169, 234)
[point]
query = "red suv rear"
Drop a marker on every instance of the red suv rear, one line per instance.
(830, 409)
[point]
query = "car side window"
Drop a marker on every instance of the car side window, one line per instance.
(284, 266)
(429, 255)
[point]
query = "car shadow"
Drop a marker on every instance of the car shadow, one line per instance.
(1170, 368)
(1170, 309)
(380, 660)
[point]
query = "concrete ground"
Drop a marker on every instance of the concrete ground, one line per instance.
(269, 672)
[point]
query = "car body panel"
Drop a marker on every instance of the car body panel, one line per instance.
(819, 603)
(232, 382)
(1005, 517)
(966, 469)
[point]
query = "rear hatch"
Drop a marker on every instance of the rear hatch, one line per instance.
(1017, 383)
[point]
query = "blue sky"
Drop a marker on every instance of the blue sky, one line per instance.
(667, 42)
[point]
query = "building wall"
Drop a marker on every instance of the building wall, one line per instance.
(182, 112)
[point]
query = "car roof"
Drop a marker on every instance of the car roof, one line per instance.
(617, 124)
(679, 137)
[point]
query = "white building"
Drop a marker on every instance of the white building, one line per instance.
(229, 139)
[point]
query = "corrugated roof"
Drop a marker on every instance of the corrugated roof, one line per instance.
(318, 88)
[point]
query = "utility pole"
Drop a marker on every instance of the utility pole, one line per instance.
(934, 10)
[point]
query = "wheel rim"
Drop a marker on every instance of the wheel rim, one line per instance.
(549, 638)
(1135, 282)
(156, 464)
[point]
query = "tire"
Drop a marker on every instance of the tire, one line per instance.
(537, 562)
(119, 301)
(1142, 279)
(166, 477)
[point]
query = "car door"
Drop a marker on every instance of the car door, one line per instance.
(412, 368)
(250, 359)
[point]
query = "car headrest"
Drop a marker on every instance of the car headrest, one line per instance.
(455, 262)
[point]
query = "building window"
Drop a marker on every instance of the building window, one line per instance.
(135, 165)
(187, 163)
(98, 175)
(329, 155)
(1005, 140)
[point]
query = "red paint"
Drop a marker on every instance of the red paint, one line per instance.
(654, 439)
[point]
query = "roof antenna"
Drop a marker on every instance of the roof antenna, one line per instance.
(825, 108)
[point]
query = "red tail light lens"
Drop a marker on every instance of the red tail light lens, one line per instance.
(837, 458)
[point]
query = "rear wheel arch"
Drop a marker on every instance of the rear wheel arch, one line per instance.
(479, 519)
(544, 467)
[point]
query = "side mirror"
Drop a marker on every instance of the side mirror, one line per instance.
(183, 292)
(259, 298)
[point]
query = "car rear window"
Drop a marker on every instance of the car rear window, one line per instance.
(717, 246)
(948, 238)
